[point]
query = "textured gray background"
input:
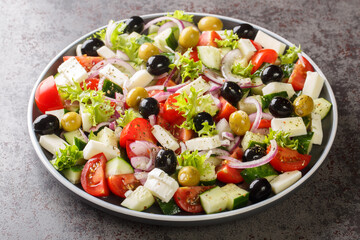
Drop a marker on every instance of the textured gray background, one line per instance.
(35, 206)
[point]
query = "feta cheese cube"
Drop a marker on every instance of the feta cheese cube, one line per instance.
(269, 42)
(247, 48)
(95, 147)
(313, 85)
(316, 127)
(106, 52)
(52, 143)
(73, 70)
(165, 138)
(113, 74)
(285, 180)
(203, 143)
(293, 125)
(199, 84)
(140, 79)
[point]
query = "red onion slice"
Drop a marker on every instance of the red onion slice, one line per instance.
(301, 59)
(121, 55)
(179, 23)
(162, 96)
(215, 151)
(78, 50)
(235, 163)
(97, 127)
(228, 135)
(141, 176)
(234, 144)
(141, 163)
(152, 119)
(183, 147)
(83, 135)
(109, 30)
(258, 112)
(169, 89)
(142, 148)
(112, 125)
(215, 78)
(166, 26)
(264, 116)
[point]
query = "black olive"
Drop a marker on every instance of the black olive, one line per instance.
(272, 73)
(281, 107)
(149, 106)
(253, 153)
(259, 190)
(90, 46)
(231, 92)
(166, 161)
(245, 31)
(134, 24)
(158, 64)
(202, 117)
(46, 124)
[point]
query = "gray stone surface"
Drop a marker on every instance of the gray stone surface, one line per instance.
(35, 206)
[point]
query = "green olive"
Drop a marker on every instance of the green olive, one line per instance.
(189, 37)
(71, 121)
(303, 105)
(239, 122)
(135, 95)
(147, 50)
(210, 24)
(189, 176)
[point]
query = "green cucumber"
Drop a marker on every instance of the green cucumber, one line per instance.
(169, 208)
(73, 174)
(251, 137)
(209, 177)
(257, 90)
(210, 56)
(304, 142)
(322, 107)
(254, 143)
(70, 137)
(266, 99)
(165, 40)
(214, 200)
(110, 88)
(237, 197)
(79, 143)
(117, 166)
(139, 200)
(263, 171)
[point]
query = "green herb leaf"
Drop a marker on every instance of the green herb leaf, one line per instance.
(291, 55)
(67, 157)
(144, 39)
(188, 67)
(195, 160)
(178, 15)
(231, 40)
(287, 69)
(238, 69)
(129, 115)
(283, 139)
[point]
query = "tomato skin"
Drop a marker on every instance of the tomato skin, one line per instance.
(90, 83)
(137, 129)
(298, 76)
(226, 110)
(237, 153)
(289, 160)
(93, 178)
(171, 113)
(207, 38)
(85, 61)
(256, 45)
(47, 97)
(129, 153)
(227, 174)
(187, 198)
(194, 55)
(264, 123)
(261, 56)
(161, 81)
(120, 184)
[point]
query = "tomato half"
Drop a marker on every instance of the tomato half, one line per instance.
(161, 81)
(237, 153)
(85, 61)
(298, 76)
(227, 174)
(187, 198)
(93, 176)
(262, 56)
(226, 110)
(47, 97)
(207, 38)
(289, 160)
(137, 129)
(90, 83)
(129, 153)
(256, 45)
(171, 113)
(194, 55)
(264, 123)
(120, 184)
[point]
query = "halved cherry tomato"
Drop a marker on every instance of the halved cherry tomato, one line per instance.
(298, 76)
(90, 83)
(171, 113)
(161, 81)
(120, 184)
(129, 153)
(289, 160)
(194, 55)
(85, 61)
(237, 153)
(227, 174)
(182, 134)
(256, 45)
(160, 120)
(137, 129)
(187, 198)
(261, 56)
(226, 110)
(47, 97)
(207, 38)
(264, 123)
(93, 176)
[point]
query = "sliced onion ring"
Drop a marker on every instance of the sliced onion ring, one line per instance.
(179, 23)
(258, 112)
(213, 76)
(267, 116)
(95, 69)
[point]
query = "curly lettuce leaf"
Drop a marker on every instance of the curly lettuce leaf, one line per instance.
(178, 14)
(188, 67)
(207, 130)
(196, 160)
(238, 69)
(291, 55)
(128, 45)
(67, 157)
(129, 115)
(231, 40)
(282, 139)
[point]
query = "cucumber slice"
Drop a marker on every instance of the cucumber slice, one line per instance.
(117, 166)
(210, 56)
(209, 177)
(237, 197)
(264, 171)
(110, 88)
(250, 136)
(79, 143)
(153, 29)
(214, 200)
(165, 40)
(139, 200)
(322, 107)
(70, 137)
(73, 174)
(257, 90)
(169, 208)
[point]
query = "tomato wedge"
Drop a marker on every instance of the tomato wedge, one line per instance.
(207, 38)
(161, 81)
(298, 76)
(227, 174)
(194, 55)
(93, 178)
(237, 153)
(137, 129)
(47, 97)
(226, 110)
(256, 45)
(90, 83)
(262, 56)
(85, 61)
(120, 184)
(171, 114)
(289, 160)
(264, 123)
(187, 198)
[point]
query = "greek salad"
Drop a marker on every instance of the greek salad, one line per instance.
(181, 115)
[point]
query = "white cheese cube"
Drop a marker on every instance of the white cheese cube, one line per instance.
(247, 48)
(73, 70)
(52, 143)
(57, 113)
(275, 87)
(113, 74)
(85, 119)
(199, 84)
(293, 125)
(316, 127)
(165, 138)
(106, 52)
(139, 200)
(140, 79)
(285, 180)
(313, 85)
(203, 143)
(61, 80)
(161, 185)
(94, 147)
(107, 136)
(269, 42)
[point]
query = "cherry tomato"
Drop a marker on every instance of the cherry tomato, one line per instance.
(161, 81)
(47, 97)
(264, 123)
(298, 76)
(85, 61)
(120, 184)
(256, 45)
(261, 56)
(194, 55)
(237, 153)
(227, 174)
(289, 160)
(207, 38)
(187, 198)
(171, 113)
(90, 83)
(129, 153)
(93, 176)
(137, 129)
(226, 110)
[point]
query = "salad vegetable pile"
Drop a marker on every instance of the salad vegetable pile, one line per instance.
(181, 115)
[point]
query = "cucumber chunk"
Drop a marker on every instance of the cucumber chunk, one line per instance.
(169, 208)
(322, 107)
(73, 174)
(117, 166)
(214, 200)
(70, 137)
(165, 40)
(237, 197)
(210, 56)
(139, 200)
(110, 88)
(264, 171)
(251, 137)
